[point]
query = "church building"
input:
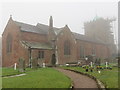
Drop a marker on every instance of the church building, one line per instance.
(47, 44)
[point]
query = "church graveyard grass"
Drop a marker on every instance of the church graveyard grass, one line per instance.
(35, 78)
(44, 77)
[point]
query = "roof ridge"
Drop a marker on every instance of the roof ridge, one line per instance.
(77, 33)
(24, 23)
(41, 24)
(48, 25)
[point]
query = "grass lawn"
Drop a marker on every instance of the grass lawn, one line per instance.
(108, 77)
(11, 71)
(0, 78)
(40, 78)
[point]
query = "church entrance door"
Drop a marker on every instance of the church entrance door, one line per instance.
(53, 60)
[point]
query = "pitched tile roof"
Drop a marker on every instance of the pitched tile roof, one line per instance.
(39, 28)
(30, 28)
(86, 38)
(46, 28)
(43, 29)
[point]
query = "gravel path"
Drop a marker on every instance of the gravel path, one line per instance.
(79, 81)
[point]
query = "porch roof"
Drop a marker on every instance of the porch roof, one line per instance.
(37, 45)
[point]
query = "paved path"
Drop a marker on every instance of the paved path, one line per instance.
(79, 81)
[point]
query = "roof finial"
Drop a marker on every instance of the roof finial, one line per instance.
(10, 16)
(66, 25)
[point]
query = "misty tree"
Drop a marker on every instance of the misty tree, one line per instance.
(102, 30)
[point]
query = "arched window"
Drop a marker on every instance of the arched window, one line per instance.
(67, 48)
(9, 43)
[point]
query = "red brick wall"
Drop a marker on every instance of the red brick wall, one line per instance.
(100, 49)
(9, 59)
(63, 36)
(18, 50)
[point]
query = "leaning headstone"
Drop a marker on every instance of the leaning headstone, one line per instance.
(21, 65)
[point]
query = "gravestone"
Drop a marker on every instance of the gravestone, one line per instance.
(15, 66)
(106, 64)
(89, 59)
(97, 61)
(91, 64)
(34, 63)
(21, 65)
(43, 65)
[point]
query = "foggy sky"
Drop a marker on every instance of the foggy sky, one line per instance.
(73, 14)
